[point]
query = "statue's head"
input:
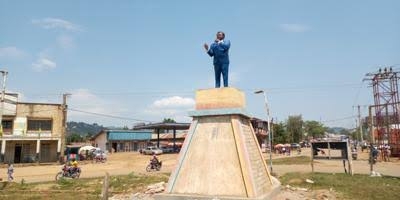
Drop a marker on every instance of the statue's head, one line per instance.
(220, 35)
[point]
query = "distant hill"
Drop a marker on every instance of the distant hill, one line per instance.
(83, 128)
(337, 130)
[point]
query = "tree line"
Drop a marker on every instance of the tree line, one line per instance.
(295, 130)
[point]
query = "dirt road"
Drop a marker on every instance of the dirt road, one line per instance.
(125, 163)
(360, 166)
(117, 164)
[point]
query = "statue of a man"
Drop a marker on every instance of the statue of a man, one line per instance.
(220, 50)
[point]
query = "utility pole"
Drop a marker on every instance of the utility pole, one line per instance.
(3, 93)
(360, 123)
(372, 140)
(269, 127)
(357, 137)
(64, 124)
(371, 125)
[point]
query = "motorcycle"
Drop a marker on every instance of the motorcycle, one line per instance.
(68, 172)
(373, 155)
(154, 166)
(100, 158)
(354, 154)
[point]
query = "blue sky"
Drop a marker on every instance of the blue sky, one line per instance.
(144, 59)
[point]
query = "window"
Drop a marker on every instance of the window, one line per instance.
(40, 125)
(7, 125)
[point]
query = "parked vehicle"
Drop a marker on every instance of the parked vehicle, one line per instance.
(167, 149)
(154, 166)
(68, 172)
(295, 145)
(152, 150)
(305, 144)
(99, 152)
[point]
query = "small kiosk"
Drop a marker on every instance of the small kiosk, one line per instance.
(332, 150)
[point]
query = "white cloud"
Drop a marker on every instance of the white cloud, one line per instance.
(43, 64)
(90, 107)
(294, 28)
(85, 100)
(11, 52)
(175, 107)
(65, 42)
(55, 23)
(174, 102)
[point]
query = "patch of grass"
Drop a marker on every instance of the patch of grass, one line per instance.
(72, 189)
(350, 187)
(298, 160)
(135, 182)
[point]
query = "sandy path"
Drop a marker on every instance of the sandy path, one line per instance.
(117, 164)
(125, 163)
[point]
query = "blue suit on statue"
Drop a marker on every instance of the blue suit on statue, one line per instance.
(220, 50)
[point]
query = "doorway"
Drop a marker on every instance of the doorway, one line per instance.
(114, 146)
(17, 154)
(45, 153)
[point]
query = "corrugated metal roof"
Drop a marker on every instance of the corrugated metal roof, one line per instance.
(170, 136)
(129, 135)
(168, 126)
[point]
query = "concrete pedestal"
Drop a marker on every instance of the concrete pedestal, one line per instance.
(221, 155)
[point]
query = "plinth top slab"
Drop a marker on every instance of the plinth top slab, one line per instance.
(218, 98)
(216, 112)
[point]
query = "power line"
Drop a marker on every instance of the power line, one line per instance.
(339, 119)
(191, 92)
(111, 116)
(88, 112)
(358, 93)
(280, 90)
(318, 86)
(149, 121)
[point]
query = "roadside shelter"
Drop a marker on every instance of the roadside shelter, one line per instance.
(158, 127)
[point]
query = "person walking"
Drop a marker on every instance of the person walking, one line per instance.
(220, 51)
(10, 172)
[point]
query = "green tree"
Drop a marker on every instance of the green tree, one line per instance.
(355, 134)
(169, 120)
(74, 137)
(345, 132)
(294, 127)
(280, 134)
(314, 128)
(89, 136)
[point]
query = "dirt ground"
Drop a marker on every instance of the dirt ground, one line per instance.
(360, 166)
(117, 164)
(125, 163)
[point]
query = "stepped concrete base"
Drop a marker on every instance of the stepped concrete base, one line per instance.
(221, 157)
(275, 190)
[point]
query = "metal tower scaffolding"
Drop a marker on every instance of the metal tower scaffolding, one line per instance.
(385, 125)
